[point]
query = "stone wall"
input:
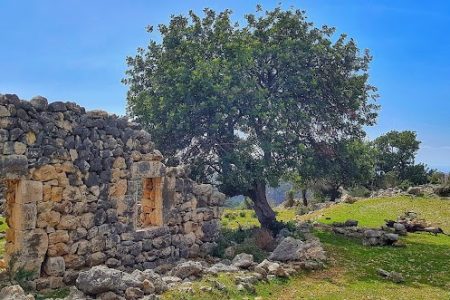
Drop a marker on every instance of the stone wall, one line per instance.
(74, 182)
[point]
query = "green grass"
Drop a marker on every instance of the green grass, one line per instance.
(373, 212)
(352, 269)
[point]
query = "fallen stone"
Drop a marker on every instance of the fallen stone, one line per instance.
(14, 292)
(101, 279)
(187, 269)
(242, 260)
(220, 267)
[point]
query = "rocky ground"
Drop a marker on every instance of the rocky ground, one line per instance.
(101, 282)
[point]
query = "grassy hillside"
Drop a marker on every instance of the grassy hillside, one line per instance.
(351, 272)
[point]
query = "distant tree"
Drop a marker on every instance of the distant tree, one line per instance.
(238, 102)
(396, 152)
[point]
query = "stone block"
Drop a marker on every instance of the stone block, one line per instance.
(45, 173)
(29, 191)
(13, 166)
(23, 216)
(55, 266)
(28, 250)
(147, 169)
(59, 236)
(68, 222)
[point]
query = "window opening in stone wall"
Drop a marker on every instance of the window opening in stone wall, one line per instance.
(150, 208)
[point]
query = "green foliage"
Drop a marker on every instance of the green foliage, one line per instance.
(346, 162)
(54, 294)
(416, 174)
(22, 276)
(443, 190)
(437, 177)
(396, 152)
(359, 191)
(405, 184)
(242, 214)
(238, 103)
(244, 242)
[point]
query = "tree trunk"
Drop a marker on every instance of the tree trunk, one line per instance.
(265, 214)
(334, 194)
(305, 200)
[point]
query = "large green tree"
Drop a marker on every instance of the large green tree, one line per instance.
(238, 103)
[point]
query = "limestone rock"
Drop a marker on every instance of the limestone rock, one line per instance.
(291, 249)
(220, 267)
(55, 266)
(243, 260)
(187, 269)
(100, 279)
(14, 292)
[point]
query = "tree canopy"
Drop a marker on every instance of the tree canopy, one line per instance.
(241, 103)
(396, 152)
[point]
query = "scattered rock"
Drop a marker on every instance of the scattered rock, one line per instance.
(220, 267)
(14, 292)
(393, 276)
(243, 260)
(291, 249)
(187, 269)
(101, 279)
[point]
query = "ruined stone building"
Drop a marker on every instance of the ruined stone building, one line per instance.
(88, 188)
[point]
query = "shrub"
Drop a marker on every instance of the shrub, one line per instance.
(443, 191)
(437, 177)
(242, 214)
(249, 246)
(253, 215)
(416, 174)
(405, 184)
(359, 191)
(302, 210)
(264, 239)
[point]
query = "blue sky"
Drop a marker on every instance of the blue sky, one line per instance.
(75, 50)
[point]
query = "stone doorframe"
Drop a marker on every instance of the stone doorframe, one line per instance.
(26, 245)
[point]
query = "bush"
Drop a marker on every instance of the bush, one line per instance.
(242, 214)
(437, 177)
(255, 241)
(443, 191)
(405, 185)
(359, 191)
(264, 239)
(249, 246)
(390, 179)
(302, 210)
(230, 215)
(416, 174)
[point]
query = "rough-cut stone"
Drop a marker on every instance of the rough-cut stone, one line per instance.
(13, 166)
(243, 260)
(187, 269)
(55, 266)
(100, 279)
(14, 292)
(291, 249)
